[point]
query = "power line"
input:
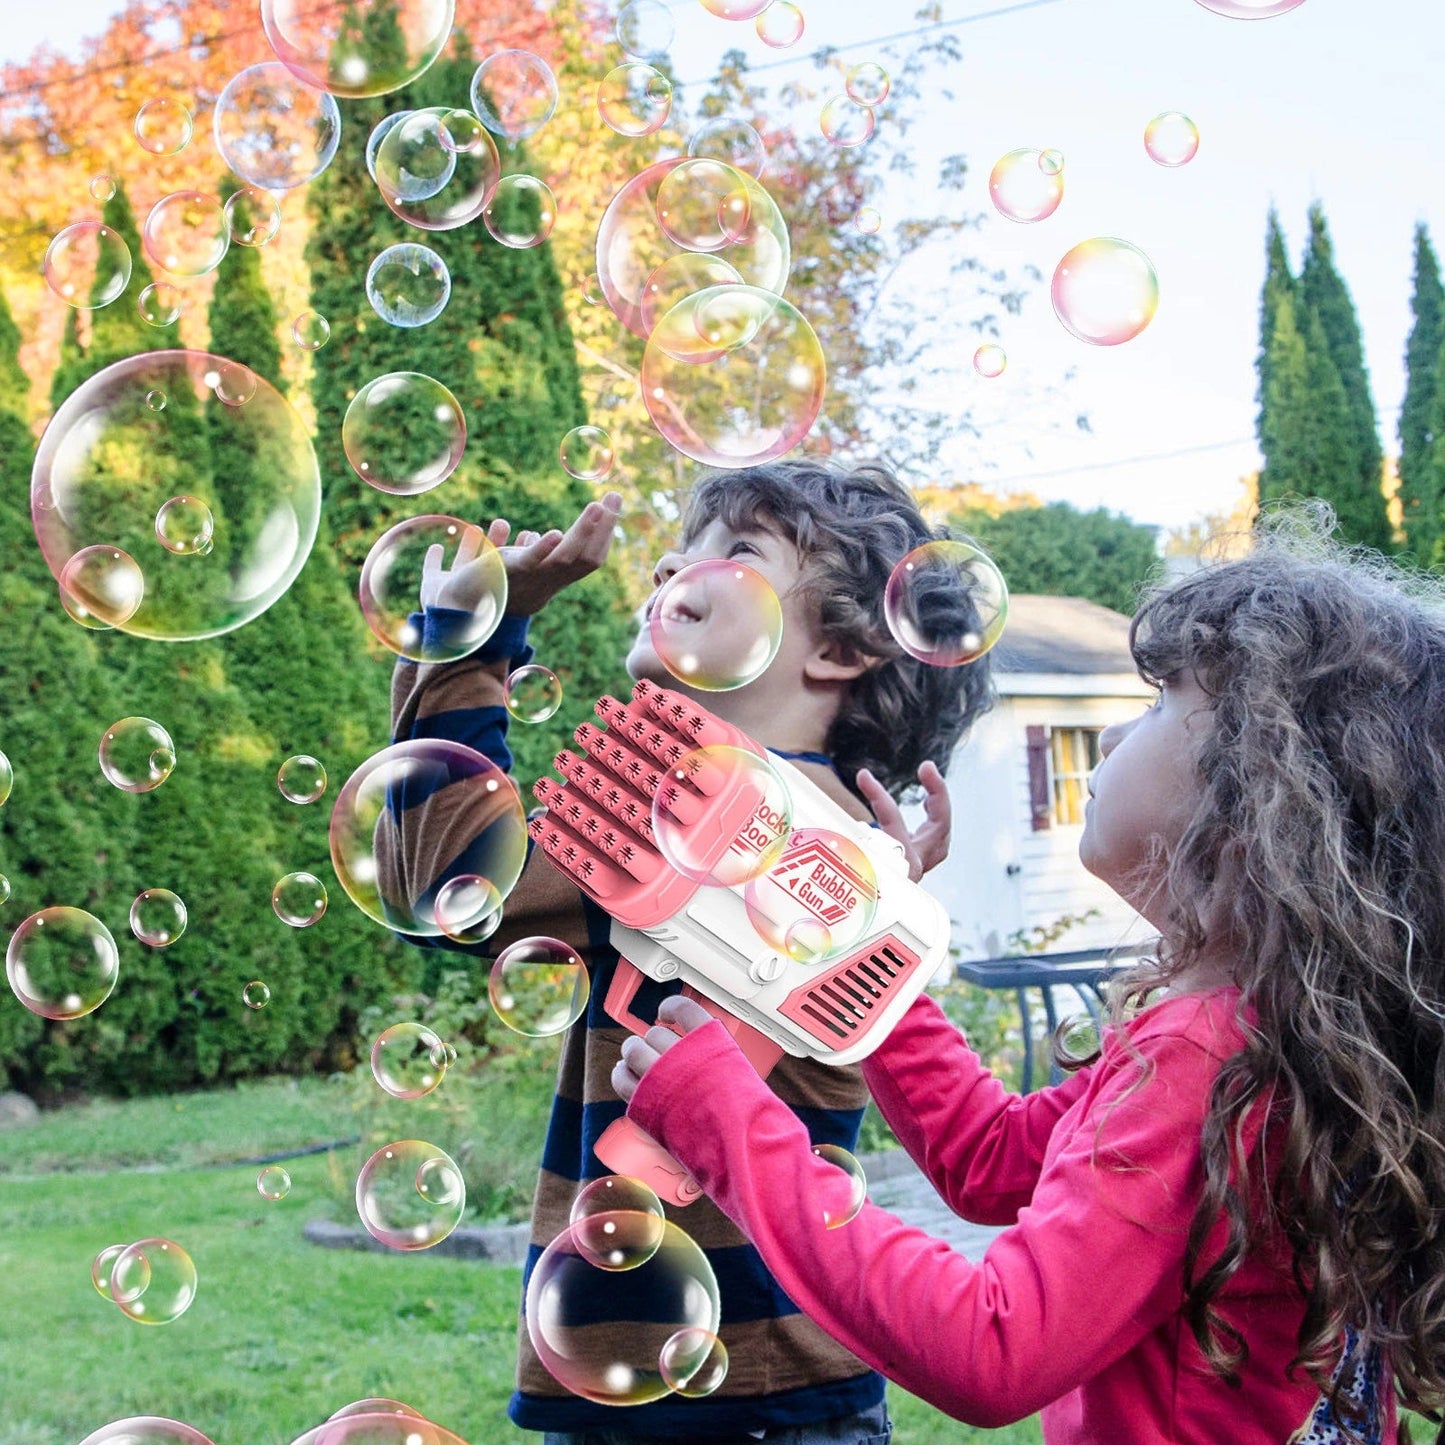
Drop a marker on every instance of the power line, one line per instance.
(1123, 462)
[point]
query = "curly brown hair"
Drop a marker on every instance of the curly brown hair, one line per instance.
(1318, 851)
(851, 526)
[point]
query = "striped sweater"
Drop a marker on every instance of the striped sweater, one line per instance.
(783, 1370)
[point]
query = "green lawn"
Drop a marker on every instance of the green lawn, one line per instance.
(281, 1333)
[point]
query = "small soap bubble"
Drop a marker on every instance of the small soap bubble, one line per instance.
(7, 777)
(1105, 291)
(694, 1362)
(301, 779)
(157, 917)
(846, 123)
(586, 453)
(538, 986)
(253, 216)
(414, 162)
(273, 130)
(403, 1060)
(169, 1281)
(311, 331)
(4, 889)
(990, 360)
(1051, 162)
(842, 1197)
(868, 220)
(102, 187)
(404, 433)
(62, 963)
(868, 83)
(160, 303)
(273, 1183)
(1171, 139)
(232, 383)
(184, 525)
(186, 233)
(780, 25)
(521, 213)
(1251, 9)
(137, 754)
(255, 995)
(333, 48)
(101, 1266)
(1021, 189)
(163, 126)
(408, 285)
(732, 141)
(1077, 1038)
(532, 693)
(87, 265)
(716, 624)
(592, 290)
(945, 603)
(635, 99)
(461, 131)
(81, 614)
(468, 909)
(817, 900)
(299, 899)
(645, 29)
(617, 1222)
(156, 400)
(514, 93)
(410, 1195)
(379, 132)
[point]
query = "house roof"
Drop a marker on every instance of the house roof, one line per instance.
(1063, 635)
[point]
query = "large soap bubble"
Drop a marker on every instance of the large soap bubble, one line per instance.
(514, 93)
(109, 462)
(383, 1424)
(273, 130)
(146, 1430)
(333, 48)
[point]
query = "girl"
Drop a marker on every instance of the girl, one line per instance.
(1228, 1226)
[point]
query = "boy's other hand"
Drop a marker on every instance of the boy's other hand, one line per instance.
(676, 1016)
(927, 845)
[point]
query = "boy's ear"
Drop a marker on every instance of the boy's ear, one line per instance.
(838, 662)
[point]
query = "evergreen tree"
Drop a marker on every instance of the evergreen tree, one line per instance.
(17, 443)
(1323, 292)
(1419, 486)
(1278, 281)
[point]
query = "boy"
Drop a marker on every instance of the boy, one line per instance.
(861, 718)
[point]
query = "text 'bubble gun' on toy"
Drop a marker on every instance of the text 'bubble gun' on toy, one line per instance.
(793, 923)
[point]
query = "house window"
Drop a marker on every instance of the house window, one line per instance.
(1073, 755)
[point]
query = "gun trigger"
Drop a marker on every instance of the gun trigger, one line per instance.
(661, 932)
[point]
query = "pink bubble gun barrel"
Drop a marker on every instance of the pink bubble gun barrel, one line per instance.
(737, 949)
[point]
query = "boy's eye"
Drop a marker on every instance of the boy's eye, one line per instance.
(741, 545)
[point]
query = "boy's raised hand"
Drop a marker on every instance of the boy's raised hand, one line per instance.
(927, 845)
(538, 567)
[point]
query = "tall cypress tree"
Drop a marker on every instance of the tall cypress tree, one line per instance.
(17, 443)
(1323, 292)
(1419, 486)
(1278, 281)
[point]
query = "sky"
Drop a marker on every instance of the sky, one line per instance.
(1330, 102)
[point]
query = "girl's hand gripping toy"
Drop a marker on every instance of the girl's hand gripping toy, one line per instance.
(818, 952)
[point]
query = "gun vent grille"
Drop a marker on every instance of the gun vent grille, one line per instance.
(840, 1006)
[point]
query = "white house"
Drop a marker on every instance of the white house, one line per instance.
(1063, 673)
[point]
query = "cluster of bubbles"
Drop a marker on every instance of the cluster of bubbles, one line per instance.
(849, 119)
(152, 1281)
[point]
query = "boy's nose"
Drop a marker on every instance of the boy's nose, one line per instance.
(668, 565)
(1109, 738)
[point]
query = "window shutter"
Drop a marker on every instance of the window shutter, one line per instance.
(1041, 812)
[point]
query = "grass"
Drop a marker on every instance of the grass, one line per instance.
(281, 1333)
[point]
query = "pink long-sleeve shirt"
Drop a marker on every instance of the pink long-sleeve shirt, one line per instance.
(1077, 1309)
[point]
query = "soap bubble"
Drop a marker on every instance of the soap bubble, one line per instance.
(521, 213)
(101, 1266)
(514, 93)
(253, 216)
(108, 461)
(694, 1362)
(156, 400)
(1105, 291)
(146, 1430)
(404, 1060)
(532, 693)
(735, 9)
(273, 130)
(78, 612)
(945, 603)
(733, 376)
(645, 29)
(160, 303)
(299, 899)
(780, 25)
(163, 126)
(4, 889)
(153, 1281)
(468, 908)
(233, 383)
(539, 986)
(375, 1405)
(311, 331)
(62, 963)
(842, 1197)
(332, 48)
(716, 624)
(722, 815)
(388, 799)
(301, 779)
(185, 526)
(680, 276)
(586, 453)
(255, 995)
(734, 142)
(990, 360)
(385, 1424)
(102, 186)
(868, 83)
(635, 99)
(87, 265)
(1051, 162)
(104, 580)
(137, 754)
(1021, 189)
(425, 180)
(846, 123)
(868, 220)
(404, 433)
(704, 205)
(410, 1195)
(817, 900)
(7, 777)
(273, 1183)
(1171, 139)
(1077, 1038)
(1251, 9)
(379, 132)
(397, 568)
(617, 1222)
(408, 285)
(617, 1363)
(157, 917)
